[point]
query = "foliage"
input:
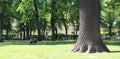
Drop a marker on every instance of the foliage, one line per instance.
(27, 11)
(67, 14)
(109, 12)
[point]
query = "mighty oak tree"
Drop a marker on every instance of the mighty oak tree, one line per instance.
(89, 34)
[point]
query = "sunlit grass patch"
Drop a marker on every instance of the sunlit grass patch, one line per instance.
(51, 50)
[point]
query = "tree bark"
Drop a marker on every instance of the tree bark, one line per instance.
(39, 35)
(1, 30)
(56, 33)
(36, 9)
(7, 31)
(1, 26)
(53, 19)
(64, 20)
(66, 30)
(110, 30)
(27, 33)
(110, 24)
(53, 27)
(21, 34)
(30, 33)
(89, 37)
(24, 35)
(37, 18)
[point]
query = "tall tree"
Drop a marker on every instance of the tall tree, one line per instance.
(1, 28)
(110, 12)
(89, 37)
(37, 18)
(64, 7)
(53, 18)
(74, 16)
(1, 20)
(41, 11)
(7, 16)
(27, 17)
(5, 8)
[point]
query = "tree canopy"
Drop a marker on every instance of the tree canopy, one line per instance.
(40, 18)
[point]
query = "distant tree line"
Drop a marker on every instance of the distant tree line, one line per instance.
(50, 15)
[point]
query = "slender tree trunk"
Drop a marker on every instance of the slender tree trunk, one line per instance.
(40, 35)
(110, 30)
(27, 33)
(64, 18)
(24, 36)
(1, 30)
(21, 34)
(53, 18)
(7, 31)
(30, 33)
(111, 20)
(1, 26)
(110, 24)
(66, 31)
(53, 27)
(36, 9)
(44, 37)
(56, 33)
(66, 27)
(89, 37)
(37, 18)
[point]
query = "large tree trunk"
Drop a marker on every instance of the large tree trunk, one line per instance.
(89, 37)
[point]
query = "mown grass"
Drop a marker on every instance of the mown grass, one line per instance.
(45, 42)
(112, 42)
(60, 49)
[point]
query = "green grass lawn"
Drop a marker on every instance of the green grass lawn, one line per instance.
(53, 50)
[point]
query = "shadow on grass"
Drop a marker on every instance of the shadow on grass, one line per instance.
(112, 42)
(58, 42)
(114, 51)
(45, 42)
(49, 42)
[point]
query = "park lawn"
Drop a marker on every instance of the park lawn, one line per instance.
(52, 50)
